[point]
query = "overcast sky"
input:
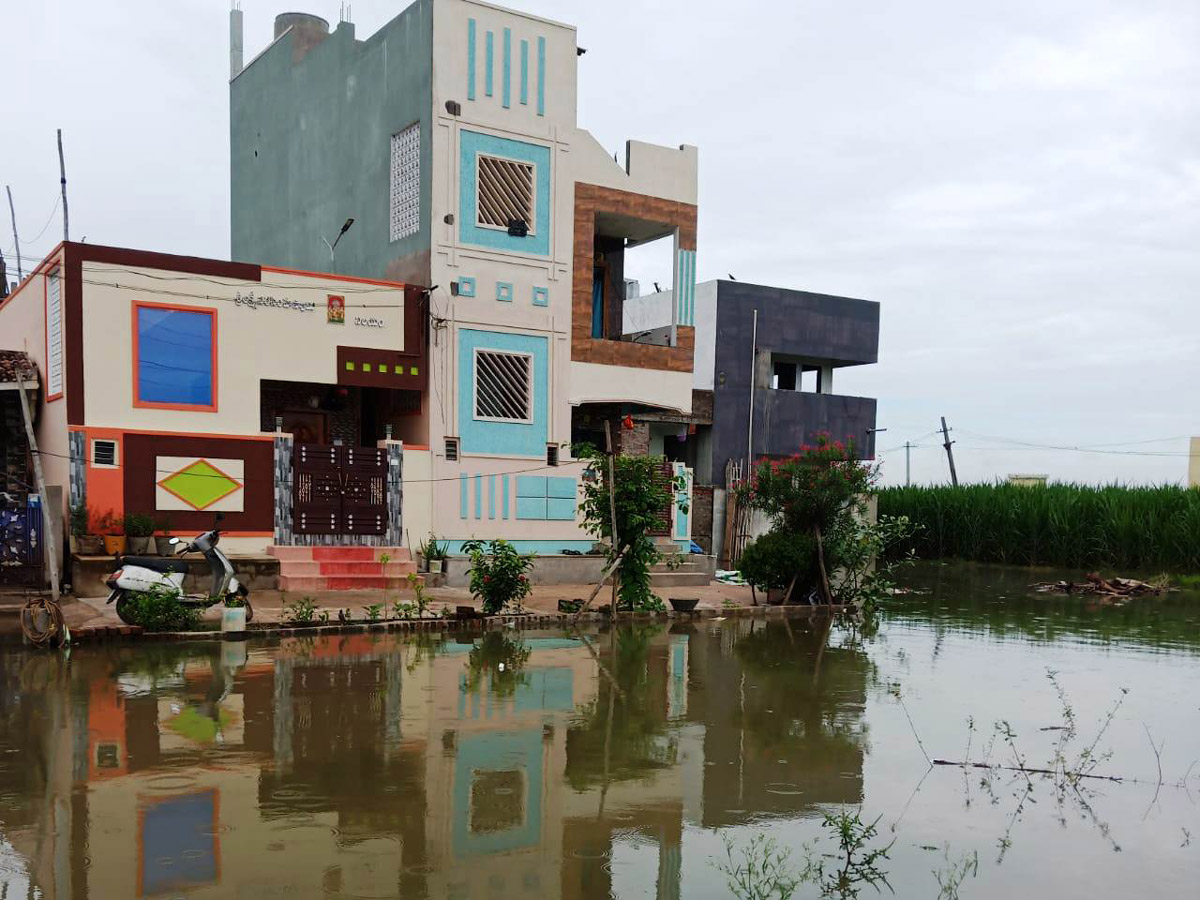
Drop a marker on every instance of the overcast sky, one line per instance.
(1017, 183)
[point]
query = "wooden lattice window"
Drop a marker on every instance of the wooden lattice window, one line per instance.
(505, 193)
(503, 386)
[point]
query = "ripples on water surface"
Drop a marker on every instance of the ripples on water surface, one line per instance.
(431, 766)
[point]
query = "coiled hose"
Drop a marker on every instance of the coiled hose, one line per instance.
(42, 623)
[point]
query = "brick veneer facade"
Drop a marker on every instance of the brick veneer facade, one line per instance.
(589, 200)
(702, 516)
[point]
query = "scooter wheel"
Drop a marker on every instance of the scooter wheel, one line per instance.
(125, 610)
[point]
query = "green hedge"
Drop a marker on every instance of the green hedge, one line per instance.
(1147, 529)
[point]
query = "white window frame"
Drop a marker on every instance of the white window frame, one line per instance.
(531, 226)
(55, 363)
(116, 463)
(475, 386)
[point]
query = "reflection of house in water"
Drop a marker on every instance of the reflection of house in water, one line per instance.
(434, 767)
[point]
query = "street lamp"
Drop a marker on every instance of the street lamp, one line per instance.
(345, 228)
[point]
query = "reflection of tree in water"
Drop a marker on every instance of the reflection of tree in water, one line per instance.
(501, 659)
(623, 737)
(785, 715)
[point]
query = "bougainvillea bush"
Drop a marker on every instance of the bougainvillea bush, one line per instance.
(821, 535)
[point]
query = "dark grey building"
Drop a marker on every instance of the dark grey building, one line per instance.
(762, 353)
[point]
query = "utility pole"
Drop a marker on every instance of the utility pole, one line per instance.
(949, 452)
(907, 463)
(16, 241)
(62, 177)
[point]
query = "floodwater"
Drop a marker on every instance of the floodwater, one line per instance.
(512, 766)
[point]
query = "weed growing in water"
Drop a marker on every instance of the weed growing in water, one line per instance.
(761, 871)
(951, 877)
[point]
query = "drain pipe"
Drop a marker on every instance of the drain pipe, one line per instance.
(753, 380)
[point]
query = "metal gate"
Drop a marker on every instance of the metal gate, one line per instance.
(340, 490)
(21, 551)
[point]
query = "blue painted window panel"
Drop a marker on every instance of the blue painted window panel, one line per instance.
(470, 59)
(471, 145)
(175, 356)
(531, 508)
(506, 87)
(489, 61)
(504, 501)
(521, 439)
(560, 487)
(479, 496)
(491, 496)
(462, 496)
(560, 510)
(531, 486)
(524, 73)
(541, 296)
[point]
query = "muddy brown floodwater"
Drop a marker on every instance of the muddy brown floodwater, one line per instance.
(510, 766)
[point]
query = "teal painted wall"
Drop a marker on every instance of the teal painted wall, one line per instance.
(322, 129)
(502, 438)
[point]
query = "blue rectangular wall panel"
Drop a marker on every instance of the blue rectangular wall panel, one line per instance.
(478, 496)
(491, 496)
(473, 143)
(506, 87)
(541, 76)
(524, 439)
(489, 61)
(531, 508)
(462, 496)
(541, 296)
(504, 500)
(524, 73)
(531, 486)
(470, 59)
(560, 487)
(560, 510)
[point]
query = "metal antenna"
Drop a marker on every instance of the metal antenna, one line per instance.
(62, 176)
(16, 241)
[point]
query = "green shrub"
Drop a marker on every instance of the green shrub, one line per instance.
(159, 609)
(772, 560)
(138, 525)
(301, 611)
(498, 574)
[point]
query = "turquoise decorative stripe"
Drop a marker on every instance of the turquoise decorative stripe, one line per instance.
(504, 501)
(478, 496)
(491, 496)
(489, 61)
(470, 59)
(685, 299)
(541, 86)
(462, 496)
(506, 87)
(524, 73)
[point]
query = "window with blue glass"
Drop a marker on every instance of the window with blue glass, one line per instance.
(175, 355)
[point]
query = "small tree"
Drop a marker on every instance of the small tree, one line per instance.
(641, 497)
(816, 499)
(498, 574)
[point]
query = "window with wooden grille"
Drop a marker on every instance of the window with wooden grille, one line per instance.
(505, 193)
(503, 386)
(104, 454)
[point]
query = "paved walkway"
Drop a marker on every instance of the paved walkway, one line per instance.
(270, 606)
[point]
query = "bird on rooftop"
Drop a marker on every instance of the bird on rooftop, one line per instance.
(731, 278)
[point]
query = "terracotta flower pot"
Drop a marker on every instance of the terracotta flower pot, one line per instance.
(114, 544)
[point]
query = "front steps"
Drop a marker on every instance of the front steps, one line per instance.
(342, 568)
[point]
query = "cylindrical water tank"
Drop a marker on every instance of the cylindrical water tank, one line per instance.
(313, 26)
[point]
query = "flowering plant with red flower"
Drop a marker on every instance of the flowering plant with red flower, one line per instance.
(498, 576)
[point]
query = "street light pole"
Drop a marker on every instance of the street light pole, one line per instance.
(345, 228)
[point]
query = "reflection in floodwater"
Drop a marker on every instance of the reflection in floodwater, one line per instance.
(503, 765)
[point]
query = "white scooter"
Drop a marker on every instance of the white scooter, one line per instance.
(144, 573)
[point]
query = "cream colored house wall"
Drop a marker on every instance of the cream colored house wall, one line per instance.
(1194, 463)
(252, 344)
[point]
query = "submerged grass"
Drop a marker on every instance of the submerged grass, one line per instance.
(1075, 526)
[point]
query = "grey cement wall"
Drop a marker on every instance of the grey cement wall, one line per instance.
(310, 146)
(818, 328)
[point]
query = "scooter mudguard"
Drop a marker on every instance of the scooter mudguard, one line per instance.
(114, 595)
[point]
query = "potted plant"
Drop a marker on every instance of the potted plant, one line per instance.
(112, 527)
(83, 541)
(139, 533)
(162, 541)
(435, 554)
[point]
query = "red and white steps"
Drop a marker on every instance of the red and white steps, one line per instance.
(342, 568)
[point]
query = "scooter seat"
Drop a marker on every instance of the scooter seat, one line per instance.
(156, 563)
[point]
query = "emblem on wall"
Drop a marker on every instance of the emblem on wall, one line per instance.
(336, 309)
(191, 483)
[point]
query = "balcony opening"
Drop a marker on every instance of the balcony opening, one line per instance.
(790, 373)
(632, 259)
